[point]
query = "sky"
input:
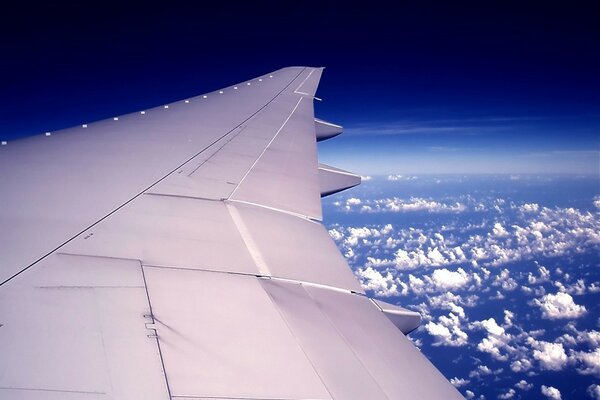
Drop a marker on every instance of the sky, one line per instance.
(429, 88)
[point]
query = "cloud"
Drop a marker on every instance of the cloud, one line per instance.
(446, 279)
(401, 178)
(543, 276)
(529, 207)
(508, 318)
(382, 286)
(440, 333)
(481, 370)
(594, 287)
(523, 385)
(459, 382)
(508, 395)
(551, 392)
(499, 231)
(399, 205)
(497, 342)
(577, 288)
(452, 302)
(594, 390)
(521, 365)
(453, 266)
(551, 356)
(462, 126)
(440, 280)
(559, 306)
(589, 337)
(492, 327)
(505, 281)
(543, 233)
(588, 363)
(447, 331)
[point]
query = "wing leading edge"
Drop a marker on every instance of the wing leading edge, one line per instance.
(179, 253)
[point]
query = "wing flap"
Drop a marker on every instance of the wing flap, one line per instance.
(294, 248)
(81, 332)
(222, 337)
(331, 356)
(393, 361)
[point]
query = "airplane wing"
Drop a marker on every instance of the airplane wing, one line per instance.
(178, 253)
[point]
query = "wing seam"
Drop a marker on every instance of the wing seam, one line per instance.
(302, 216)
(160, 355)
(251, 246)
(152, 185)
(346, 342)
(266, 148)
(297, 339)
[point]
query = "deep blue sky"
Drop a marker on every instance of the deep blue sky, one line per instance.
(427, 88)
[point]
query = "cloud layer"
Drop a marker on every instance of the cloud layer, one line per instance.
(448, 270)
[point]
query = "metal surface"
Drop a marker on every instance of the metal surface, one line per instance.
(74, 327)
(405, 320)
(222, 337)
(179, 253)
(326, 130)
(333, 180)
(56, 187)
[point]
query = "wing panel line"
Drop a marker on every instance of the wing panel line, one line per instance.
(251, 246)
(297, 339)
(305, 217)
(266, 148)
(302, 84)
(160, 354)
(347, 343)
(152, 185)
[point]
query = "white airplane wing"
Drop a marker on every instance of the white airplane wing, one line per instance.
(178, 253)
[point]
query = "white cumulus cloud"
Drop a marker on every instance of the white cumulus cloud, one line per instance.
(383, 286)
(551, 356)
(523, 385)
(521, 365)
(447, 331)
(508, 395)
(529, 207)
(459, 382)
(594, 390)
(481, 370)
(446, 279)
(497, 342)
(559, 305)
(588, 363)
(551, 392)
(399, 177)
